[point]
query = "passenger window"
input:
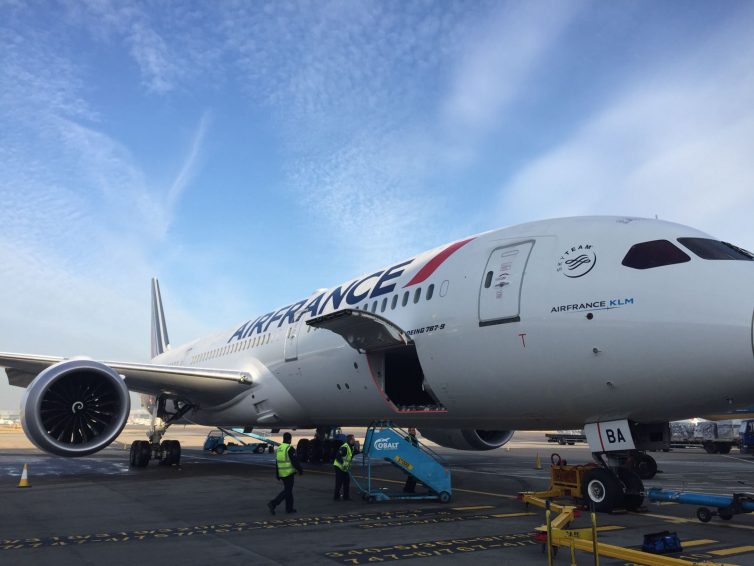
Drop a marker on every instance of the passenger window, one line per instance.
(394, 302)
(656, 253)
(417, 295)
(374, 306)
(488, 280)
(384, 305)
(405, 299)
(707, 248)
(430, 291)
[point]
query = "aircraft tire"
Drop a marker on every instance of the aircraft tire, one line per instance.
(302, 450)
(601, 490)
(316, 451)
(633, 499)
(132, 453)
(173, 452)
(141, 453)
(646, 467)
(723, 448)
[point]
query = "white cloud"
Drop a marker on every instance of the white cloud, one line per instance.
(676, 143)
(493, 69)
(190, 164)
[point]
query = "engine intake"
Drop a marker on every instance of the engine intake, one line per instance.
(75, 408)
(468, 439)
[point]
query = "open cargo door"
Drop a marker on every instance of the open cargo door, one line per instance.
(391, 354)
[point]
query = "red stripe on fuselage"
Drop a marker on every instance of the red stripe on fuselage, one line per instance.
(430, 267)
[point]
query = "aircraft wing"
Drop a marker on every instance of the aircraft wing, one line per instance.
(198, 385)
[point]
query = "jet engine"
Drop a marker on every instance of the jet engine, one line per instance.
(75, 408)
(468, 439)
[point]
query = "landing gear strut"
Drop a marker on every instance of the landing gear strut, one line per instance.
(167, 452)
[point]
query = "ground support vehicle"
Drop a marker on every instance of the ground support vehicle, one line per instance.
(727, 506)
(557, 532)
(217, 442)
(564, 437)
(747, 437)
(384, 442)
(593, 486)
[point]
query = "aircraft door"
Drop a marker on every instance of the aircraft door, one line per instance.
(291, 341)
(500, 292)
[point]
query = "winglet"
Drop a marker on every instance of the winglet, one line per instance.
(160, 341)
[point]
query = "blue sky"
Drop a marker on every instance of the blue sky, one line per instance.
(249, 152)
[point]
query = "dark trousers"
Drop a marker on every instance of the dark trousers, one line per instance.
(410, 486)
(286, 494)
(342, 480)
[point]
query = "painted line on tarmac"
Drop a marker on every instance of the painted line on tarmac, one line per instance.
(431, 549)
(732, 551)
(209, 529)
(439, 520)
(747, 460)
(543, 477)
(672, 519)
(473, 508)
(322, 472)
(699, 542)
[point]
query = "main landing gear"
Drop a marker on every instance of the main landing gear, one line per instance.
(323, 448)
(616, 482)
(167, 452)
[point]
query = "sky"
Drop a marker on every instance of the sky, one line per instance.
(247, 153)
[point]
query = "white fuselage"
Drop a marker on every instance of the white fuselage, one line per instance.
(510, 338)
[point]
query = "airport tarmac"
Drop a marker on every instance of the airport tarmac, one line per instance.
(211, 510)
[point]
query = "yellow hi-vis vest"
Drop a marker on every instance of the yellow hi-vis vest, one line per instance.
(283, 461)
(346, 465)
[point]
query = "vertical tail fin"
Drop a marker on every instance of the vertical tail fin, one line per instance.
(160, 340)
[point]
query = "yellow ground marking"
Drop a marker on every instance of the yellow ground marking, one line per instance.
(504, 495)
(504, 515)
(731, 551)
(473, 508)
(610, 528)
(672, 519)
(698, 542)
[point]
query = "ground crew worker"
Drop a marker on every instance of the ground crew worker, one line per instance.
(342, 465)
(286, 465)
(410, 486)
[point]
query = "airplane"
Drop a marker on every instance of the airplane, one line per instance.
(616, 325)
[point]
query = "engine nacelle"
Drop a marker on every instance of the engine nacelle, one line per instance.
(468, 439)
(75, 408)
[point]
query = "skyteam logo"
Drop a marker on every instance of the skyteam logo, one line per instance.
(385, 444)
(577, 261)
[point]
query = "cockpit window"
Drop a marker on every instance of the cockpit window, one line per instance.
(654, 254)
(707, 248)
